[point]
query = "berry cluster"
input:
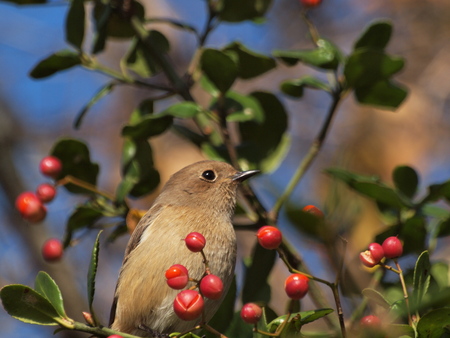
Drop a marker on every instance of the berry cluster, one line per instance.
(189, 304)
(391, 248)
(31, 205)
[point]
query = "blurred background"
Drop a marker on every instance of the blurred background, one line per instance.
(35, 113)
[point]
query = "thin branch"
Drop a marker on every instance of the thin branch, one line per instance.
(85, 185)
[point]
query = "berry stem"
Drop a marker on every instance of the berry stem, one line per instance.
(83, 184)
(213, 331)
(405, 291)
(388, 267)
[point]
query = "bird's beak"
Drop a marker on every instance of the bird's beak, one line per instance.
(243, 175)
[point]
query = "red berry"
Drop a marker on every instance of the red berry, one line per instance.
(392, 247)
(370, 322)
(46, 192)
(251, 313)
(30, 207)
(51, 166)
(313, 210)
(269, 237)
(296, 286)
(310, 3)
(52, 250)
(195, 241)
(211, 287)
(188, 305)
(115, 336)
(367, 259)
(177, 276)
(377, 251)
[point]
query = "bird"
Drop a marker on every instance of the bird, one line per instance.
(199, 198)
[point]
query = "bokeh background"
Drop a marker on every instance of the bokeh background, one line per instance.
(34, 113)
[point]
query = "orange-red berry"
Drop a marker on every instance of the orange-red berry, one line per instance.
(30, 207)
(251, 313)
(188, 305)
(52, 250)
(195, 241)
(392, 247)
(51, 166)
(269, 237)
(211, 287)
(296, 286)
(177, 276)
(313, 210)
(46, 192)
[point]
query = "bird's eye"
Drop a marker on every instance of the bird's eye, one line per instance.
(209, 175)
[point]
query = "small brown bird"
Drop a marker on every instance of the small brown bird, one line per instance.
(199, 198)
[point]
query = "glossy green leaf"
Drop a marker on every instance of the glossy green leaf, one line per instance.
(241, 108)
(75, 24)
(104, 90)
(435, 211)
(223, 317)
(366, 67)
(59, 61)
(422, 277)
(295, 87)
(264, 145)
(240, 10)
(29, 306)
(139, 175)
(140, 59)
(406, 180)
(76, 161)
(384, 94)
(92, 273)
(102, 13)
(250, 64)
(220, 68)
(370, 186)
(434, 324)
(325, 57)
(183, 110)
(400, 331)
(47, 287)
(299, 319)
(83, 216)
(376, 297)
(208, 86)
(256, 288)
(375, 36)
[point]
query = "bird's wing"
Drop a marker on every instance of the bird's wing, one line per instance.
(135, 238)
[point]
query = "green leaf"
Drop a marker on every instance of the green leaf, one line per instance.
(92, 272)
(406, 180)
(434, 324)
(238, 328)
(370, 186)
(47, 287)
(83, 216)
(295, 87)
(114, 20)
(139, 175)
(376, 297)
(436, 192)
(241, 10)
(400, 331)
(375, 36)
(311, 316)
(183, 110)
(29, 306)
(325, 57)
(223, 317)
(299, 319)
(176, 23)
(250, 64)
(444, 228)
(435, 211)
(414, 233)
(143, 124)
(75, 159)
(264, 145)
(220, 68)
(59, 61)
(307, 222)
(421, 280)
(104, 90)
(241, 108)
(439, 271)
(75, 24)
(256, 288)
(383, 94)
(366, 67)
(139, 58)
